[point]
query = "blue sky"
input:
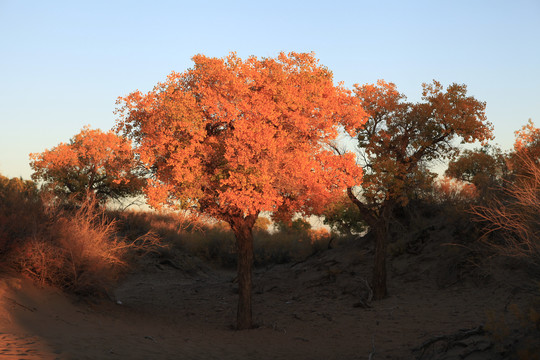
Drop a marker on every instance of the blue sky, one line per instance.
(64, 63)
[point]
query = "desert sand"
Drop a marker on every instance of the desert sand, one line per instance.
(315, 309)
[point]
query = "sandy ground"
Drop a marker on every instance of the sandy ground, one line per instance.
(310, 310)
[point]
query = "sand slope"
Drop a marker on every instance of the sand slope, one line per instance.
(311, 310)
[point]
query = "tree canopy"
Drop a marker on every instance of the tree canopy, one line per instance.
(232, 138)
(526, 149)
(92, 162)
(397, 143)
(485, 168)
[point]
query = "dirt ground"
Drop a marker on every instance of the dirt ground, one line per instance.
(316, 309)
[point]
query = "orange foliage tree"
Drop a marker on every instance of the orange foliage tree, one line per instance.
(528, 138)
(526, 149)
(485, 168)
(397, 141)
(92, 162)
(232, 138)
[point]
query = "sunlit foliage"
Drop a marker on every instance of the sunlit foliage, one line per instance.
(398, 141)
(93, 162)
(78, 251)
(448, 189)
(485, 168)
(232, 138)
(526, 147)
(528, 137)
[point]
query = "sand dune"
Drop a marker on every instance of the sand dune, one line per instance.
(311, 310)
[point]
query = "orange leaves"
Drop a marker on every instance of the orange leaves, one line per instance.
(93, 161)
(61, 156)
(400, 137)
(526, 136)
(485, 168)
(462, 115)
(526, 149)
(316, 235)
(454, 190)
(244, 136)
(382, 97)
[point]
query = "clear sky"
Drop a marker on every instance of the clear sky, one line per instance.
(64, 63)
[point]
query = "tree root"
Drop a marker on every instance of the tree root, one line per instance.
(451, 341)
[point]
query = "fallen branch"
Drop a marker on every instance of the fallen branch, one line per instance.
(21, 305)
(372, 353)
(450, 339)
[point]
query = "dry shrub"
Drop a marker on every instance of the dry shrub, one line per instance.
(191, 233)
(21, 212)
(213, 241)
(515, 216)
(319, 235)
(287, 246)
(169, 226)
(42, 260)
(80, 251)
(516, 333)
(450, 190)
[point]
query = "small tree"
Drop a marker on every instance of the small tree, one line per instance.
(397, 142)
(232, 138)
(526, 149)
(485, 168)
(93, 162)
(344, 217)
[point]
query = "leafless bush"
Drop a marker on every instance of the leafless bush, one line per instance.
(516, 215)
(80, 252)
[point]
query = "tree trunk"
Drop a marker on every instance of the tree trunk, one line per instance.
(242, 227)
(379, 268)
(378, 224)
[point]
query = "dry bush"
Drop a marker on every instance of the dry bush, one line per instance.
(287, 246)
(42, 260)
(77, 249)
(516, 333)
(21, 212)
(214, 241)
(194, 234)
(515, 216)
(80, 251)
(450, 190)
(169, 226)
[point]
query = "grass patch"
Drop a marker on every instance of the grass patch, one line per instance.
(214, 242)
